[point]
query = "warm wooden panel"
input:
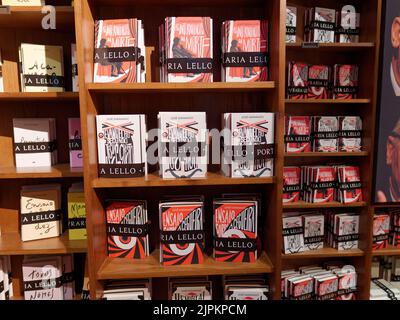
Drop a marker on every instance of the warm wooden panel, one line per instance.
(58, 171)
(113, 268)
(324, 253)
(326, 205)
(38, 96)
(390, 251)
(11, 244)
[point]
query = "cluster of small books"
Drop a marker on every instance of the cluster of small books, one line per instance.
(320, 184)
(47, 277)
(306, 231)
(35, 142)
(317, 82)
(128, 290)
(323, 134)
(324, 25)
(181, 221)
(386, 267)
(333, 281)
(183, 145)
(386, 228)
(41, 214)
(6, 285)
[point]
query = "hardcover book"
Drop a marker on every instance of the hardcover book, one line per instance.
(350, 186)
(345, 81)
(42, 68)
(321, 25)
(34, 142)
(235, 230)
(313, 231)
(291, 24)
(119, 51)
(318, 82)
(244, 50)
(41, 215)
(381, 227)
(348, 26)
(248, 145)
(183, 144)
(291, 184)
(350, 132)
(297, 80)
(127, 229)
(121, 141)
(75, 143)
(297, 134)
(182, 232)
(188, 49)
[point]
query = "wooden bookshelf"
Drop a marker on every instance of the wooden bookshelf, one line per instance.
(326, 154)
(57, 171)
(328, 101)
(324, 253)
(326, 205)
(389, 251)
(38, 96)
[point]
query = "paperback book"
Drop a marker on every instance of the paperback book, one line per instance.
(297, 134)
(325, 134)
(293, 233)
(320, 25)
(297, 80)
(291, 24)
(345, 81)
(75, 143)
(291, 184)
(350, 134)
(318, 82)
(76, 212)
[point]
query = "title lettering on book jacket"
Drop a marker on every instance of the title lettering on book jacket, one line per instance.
(76, 223)
(116, 54)
(35, 147)
(235, 244)
(245, 59)
(190, 65)
(43, 284)
(178, 236)
(250, 152)
(40, 217)
(44, 80)
(121, 170)
(75, 144)
(127, 230)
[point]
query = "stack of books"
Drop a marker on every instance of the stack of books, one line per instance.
(194, 288)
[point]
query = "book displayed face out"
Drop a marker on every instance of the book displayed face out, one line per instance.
(6, 285)
(76, 212)
(75, 143)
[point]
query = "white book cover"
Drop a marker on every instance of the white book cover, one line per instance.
(293, 238)
(42, 68)
(121, 143)
(183, 144)
(291, 24)
(191, 293)
(34, 142)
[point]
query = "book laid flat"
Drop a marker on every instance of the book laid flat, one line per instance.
(41, 215)
(244, 50)
(182, 145)
(34, 142)
(42, 68)
(119, 55)
(121, 145)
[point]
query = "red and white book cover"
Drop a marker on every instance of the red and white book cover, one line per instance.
(323, 184)
(381, 229)
(325, 134)
(302, 289)
(291, 184)
(318, 82)
(349, 184)
(297, 134)
(127, 230)
(350, 132)
(326, 287)
(345, 81)
(244, 50)
(189, 49)
(297, 80)
(235, 231)
(116, 51)
(182, 233)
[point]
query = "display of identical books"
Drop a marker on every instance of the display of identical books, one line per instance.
(76, 212)
(6, 283)
(386, 228)
(42, 68)
(41, 215)
(244, 50)
(48, 277)
(119, 55)
(291, 24)
(183, 144)
(35, 142)
(248, 144)
(121, 145)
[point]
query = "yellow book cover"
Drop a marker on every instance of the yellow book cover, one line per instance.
(76, 216)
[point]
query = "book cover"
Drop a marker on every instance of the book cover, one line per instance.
(297, 134)
(345, 81)
(350, 134)
(318, 82)
(314, 231)
(127, 229)
(121, 142)
(293, 234)
(42, 68)
(322, 182)
(291, 184)
(191, 291)
(291, 24)
(325, 134)
(75, 143)
(322, 25)
(235, 230)
(350, 186)
(348, 26)
(297, 80)
(183, 145)
(381, 227)
(189, 49)
(245, 50)
(76, 215)
(346, 232)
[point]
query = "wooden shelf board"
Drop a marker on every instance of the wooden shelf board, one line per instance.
(390, 251)
(154, 180)
(326, 154)
(179, 87)
(327, 101)
(58, 171)
(31, 16)
(193, 3)
(120, 268)
(333, 46)
(333, 204)
(324, 253)
(11, 244)
(38, 96)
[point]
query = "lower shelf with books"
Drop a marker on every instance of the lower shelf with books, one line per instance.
(150, 267)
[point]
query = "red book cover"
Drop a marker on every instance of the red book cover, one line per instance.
(297, 134)
(245, 44)
(318, 82)
(297, 80)
(291, 184)
(350, 184)
(345, 81)
(182, 234)
(323, 184)
(235, 231)
(127, 230)
(381, 229)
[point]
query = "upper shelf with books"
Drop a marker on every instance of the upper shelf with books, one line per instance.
(32, 17)
(150, 267)
(150, 87)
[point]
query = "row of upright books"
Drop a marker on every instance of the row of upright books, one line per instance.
(182, 232)
(248, 149)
